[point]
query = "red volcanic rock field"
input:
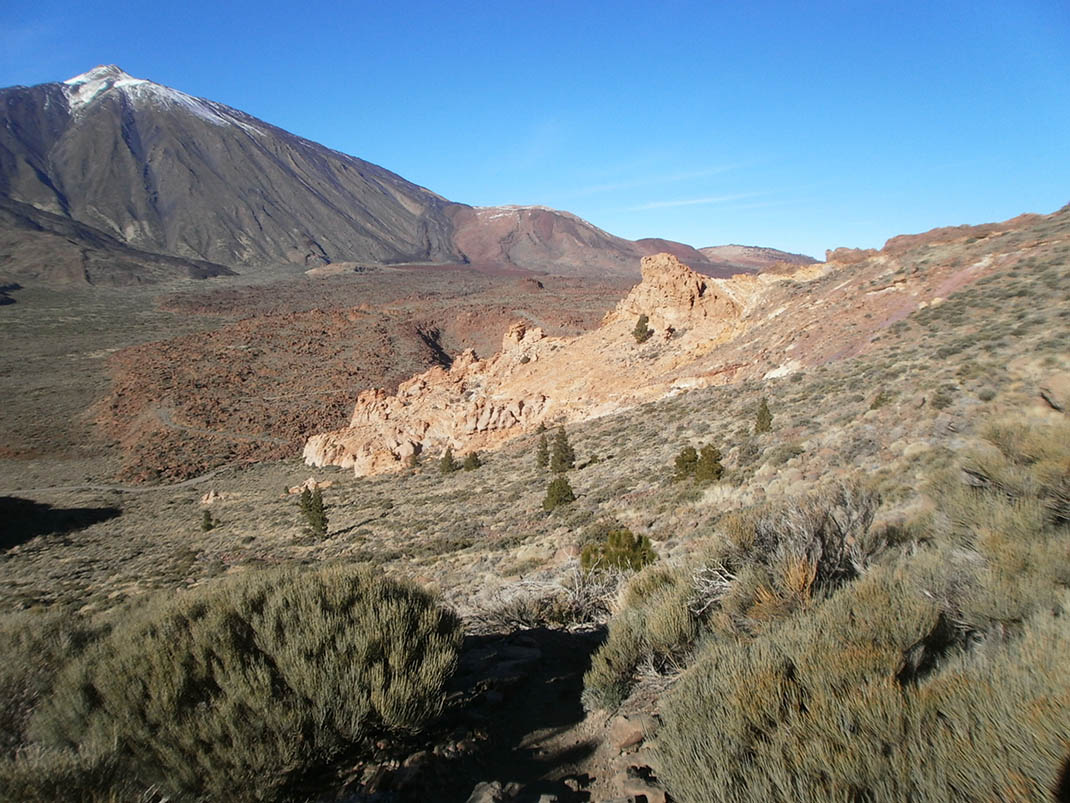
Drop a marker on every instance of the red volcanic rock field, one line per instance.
(290, 358)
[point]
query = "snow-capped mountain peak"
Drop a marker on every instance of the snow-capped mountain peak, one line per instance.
(102, 73)
(83, 89)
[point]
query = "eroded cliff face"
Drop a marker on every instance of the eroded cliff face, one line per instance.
(479, 404)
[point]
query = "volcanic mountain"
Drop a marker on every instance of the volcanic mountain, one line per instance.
(146, 167)
(166, 172)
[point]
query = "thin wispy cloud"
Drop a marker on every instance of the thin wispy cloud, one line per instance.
(649, 181)
(713, 199)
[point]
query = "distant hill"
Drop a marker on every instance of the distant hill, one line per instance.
(753, 257)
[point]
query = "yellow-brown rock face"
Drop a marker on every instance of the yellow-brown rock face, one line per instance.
(479, 404)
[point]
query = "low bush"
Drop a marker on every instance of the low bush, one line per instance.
(928, 673)
(621, 549)
(808, 714)
(656, 629)
(770, 563)
(45, 776)
(236, 690)
(35, 645)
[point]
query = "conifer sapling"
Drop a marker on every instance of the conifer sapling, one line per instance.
(562, 458)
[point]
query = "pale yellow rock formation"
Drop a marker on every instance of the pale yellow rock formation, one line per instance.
(479, 404)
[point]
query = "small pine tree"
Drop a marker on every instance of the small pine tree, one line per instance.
(472, 461)
(207, 522)
(542, 452)
(562, 457)
(305, 501)
(447, 464)
(708, 468)
(642, 332)
(558, 493)
(686, 463)
(763, 420)
(316, 515)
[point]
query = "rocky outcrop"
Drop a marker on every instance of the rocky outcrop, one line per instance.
(468, 406)
(534, 379)
(675, 298)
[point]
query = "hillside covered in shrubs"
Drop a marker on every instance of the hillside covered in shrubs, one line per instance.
(847, 581)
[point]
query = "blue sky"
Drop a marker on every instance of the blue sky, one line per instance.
(802, 126)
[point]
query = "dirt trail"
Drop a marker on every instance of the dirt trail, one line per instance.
(513, 726)
(166, 417)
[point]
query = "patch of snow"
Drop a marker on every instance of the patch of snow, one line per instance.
(83, 89)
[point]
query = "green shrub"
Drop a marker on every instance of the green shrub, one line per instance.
(446, 464)
(207, 522)
(45, 776)
(763, 419)
(793, 552)
(235, 690)
(808, 714)
(558, 493)
(35, 645)
(317, 515)
(1001, 521)
(310, 503)
(621, 550)
(642, 332)
(704, 465)
(934, 675)
(709, 468)
(658, 629)
(769, 564)
(471, 461)
(685, 464)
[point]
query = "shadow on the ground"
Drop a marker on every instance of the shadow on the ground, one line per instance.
(507, 688)
(23, 519)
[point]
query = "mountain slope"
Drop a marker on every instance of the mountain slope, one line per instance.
(166, 172)
(49, 248)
